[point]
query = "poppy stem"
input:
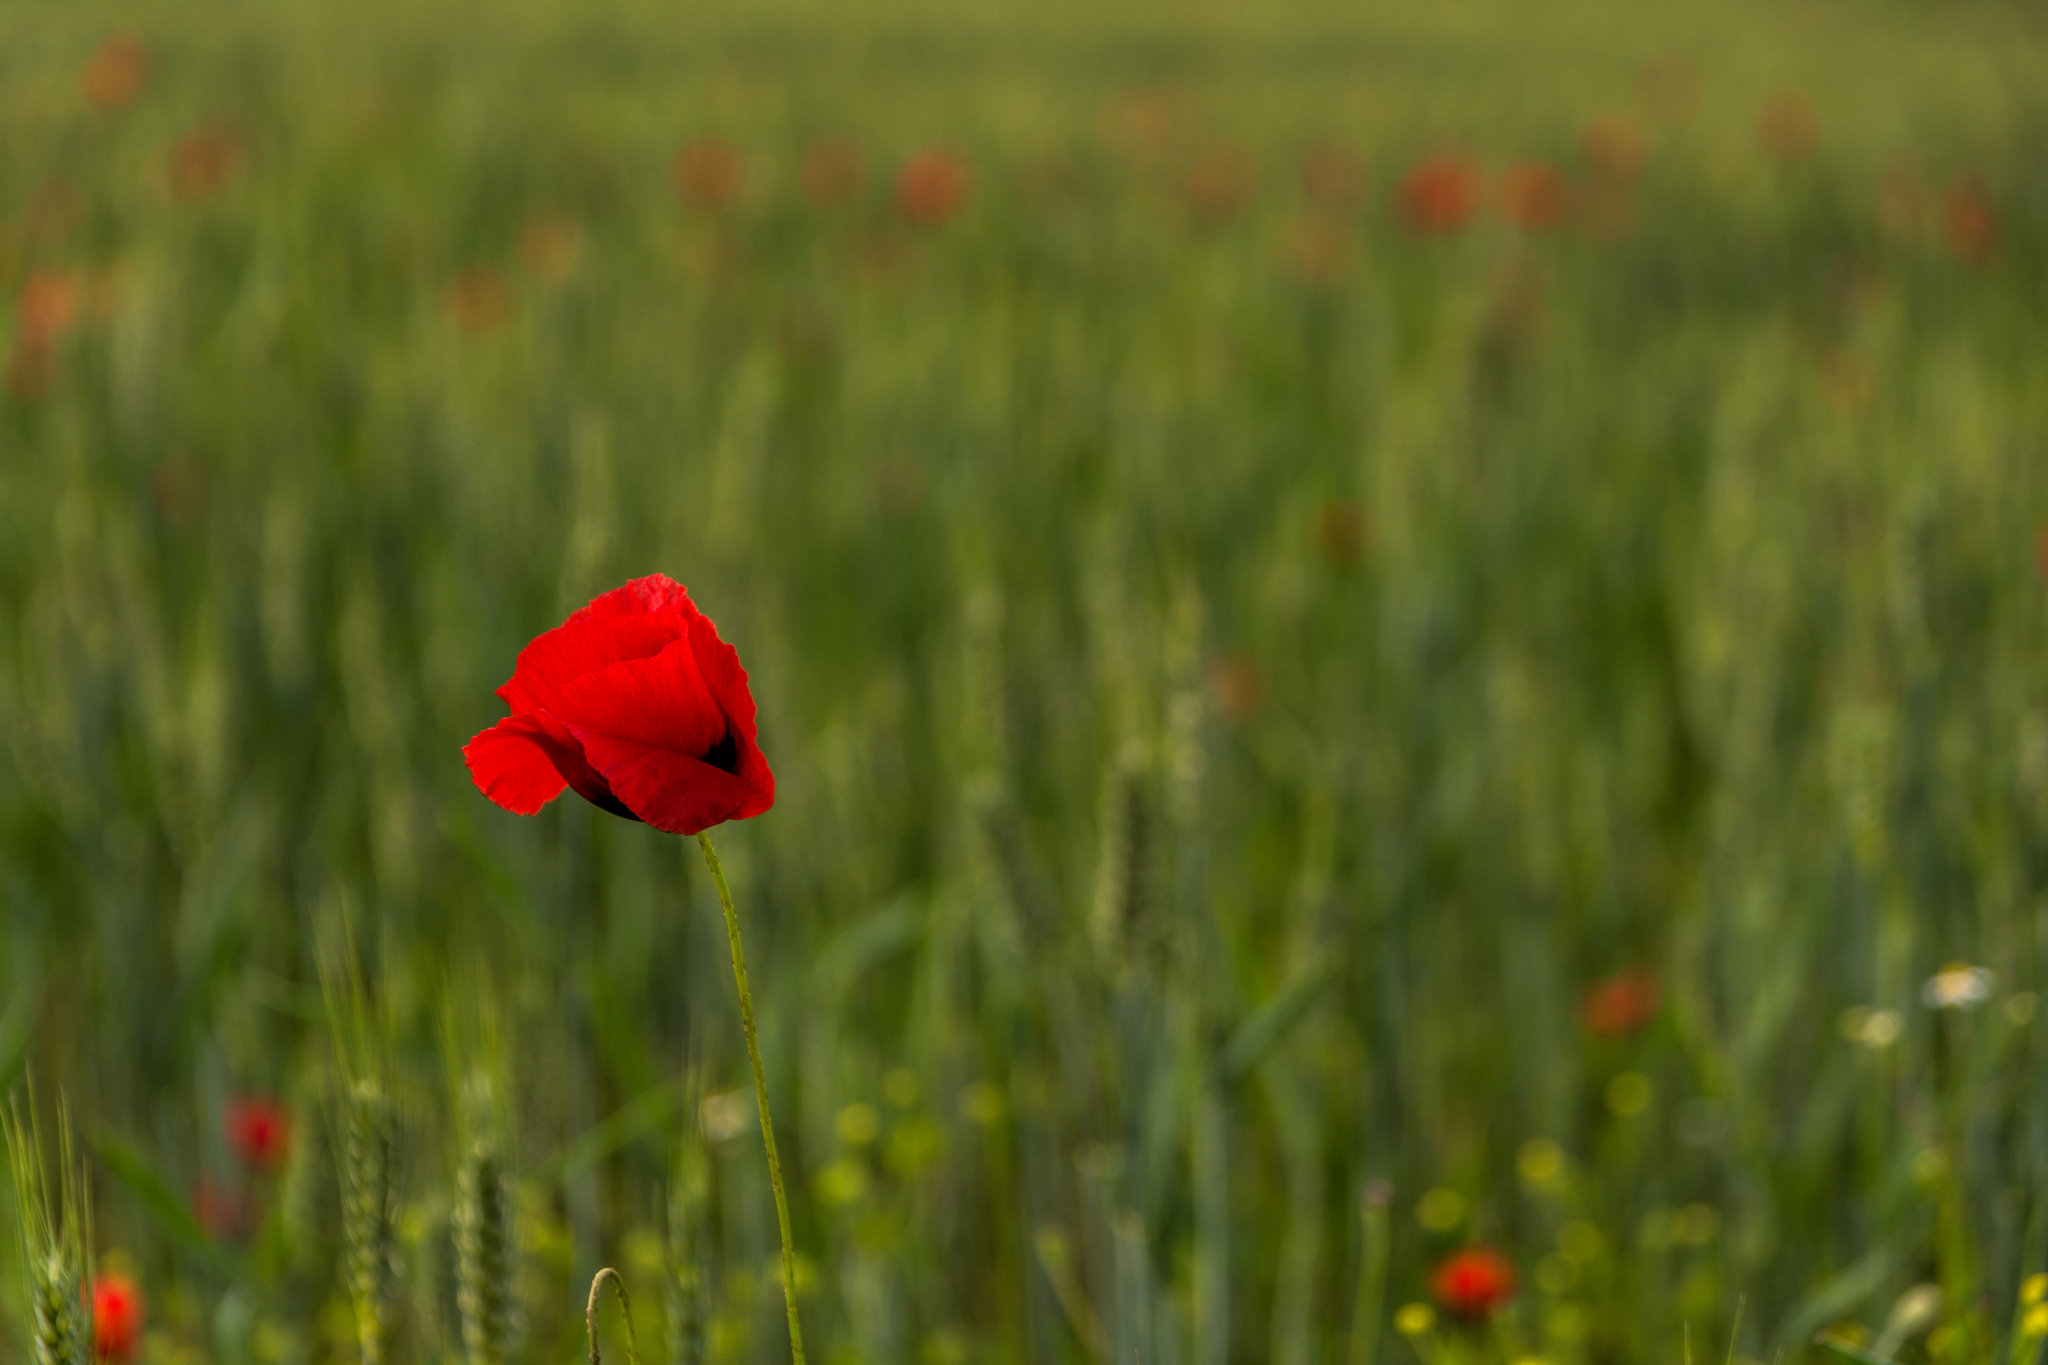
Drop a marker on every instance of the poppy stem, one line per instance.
(739, 976)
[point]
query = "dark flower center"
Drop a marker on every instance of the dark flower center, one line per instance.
(724, 755)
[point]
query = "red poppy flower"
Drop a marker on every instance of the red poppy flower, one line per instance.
(1439, 195)
(260, 1131)
(1221, 181)
(1614, 147)
(221, 1213)
(1237, 686)
(479, 300)
(932, 187)
(1788, 126)
(636, 703)
(1621, 1004)
(116, 73)
(1473, 1283)
(708, 174)
(1968, 225)
(204, 161)
(116, 1317)
(1534, 195)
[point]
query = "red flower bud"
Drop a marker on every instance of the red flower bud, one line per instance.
(636, 703)
(116, 1317)
(1473, 1283)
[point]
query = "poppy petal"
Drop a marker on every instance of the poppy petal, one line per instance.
(510, 768)
(669, 790)
(662, 702)
(578, 648)
(719, 663)
(651, 595)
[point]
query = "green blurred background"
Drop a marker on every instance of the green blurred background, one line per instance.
(1248, 640)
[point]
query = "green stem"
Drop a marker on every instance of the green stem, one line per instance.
(739, 976)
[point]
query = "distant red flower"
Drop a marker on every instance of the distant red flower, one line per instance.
(1534, 195)
(204, 161)
(1621, 1004)
(116, 73)
(45, 308)
(1137, 123)
(1222, 181)
(479, 300)
(636, 703)
(116, 1317)
(709, 173)
(1788, 126)
(259, 1130)
(932, 186)
(1614, 147)
(1473, 1283)
(1237, 686)
(220, 1212)
(831, 173)
(2041, 552)
(1439, 195)
(43, 312)
(1968, 225)
(1332, 179)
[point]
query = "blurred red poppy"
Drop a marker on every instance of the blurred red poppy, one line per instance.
(1222, 181)
(1614, 147)
(1473, 1283)
(1138, 123)
(1439, 195)
(204, 161)
(479, 300)
(1620, 1004)
(1236, 686)
(116, 74)
(45, 308)
(259, 1130)
(709, 173)
(43, 312)
(220, 1212)
(1534, 195)
(1969, 228)
(932, 186)
(1788, 127)
(116, 1317)
(637, 704)
(1316, 249)
(831, 173)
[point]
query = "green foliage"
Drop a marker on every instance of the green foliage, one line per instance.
(1238, 674)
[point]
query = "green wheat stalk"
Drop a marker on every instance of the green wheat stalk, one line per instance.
(484, 1256)
(53, 1245)
(369, 1225)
